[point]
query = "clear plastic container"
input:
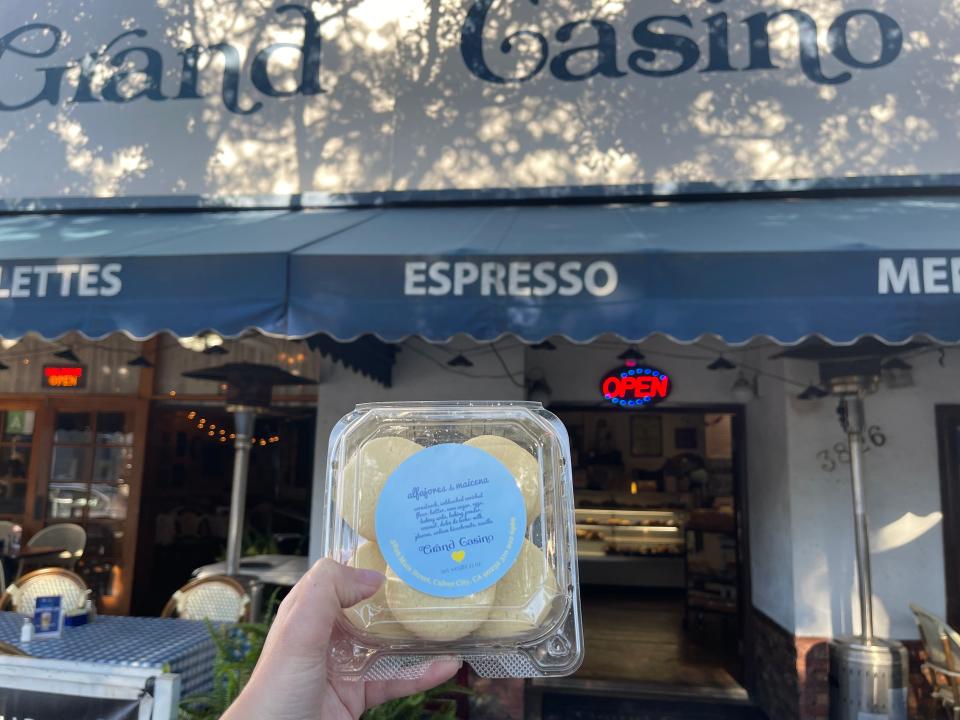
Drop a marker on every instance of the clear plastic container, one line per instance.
(467, 507)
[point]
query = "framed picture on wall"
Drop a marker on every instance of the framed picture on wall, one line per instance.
(646, 436)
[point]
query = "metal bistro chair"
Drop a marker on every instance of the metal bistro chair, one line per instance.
(216, 597)
(941, 667)
(72, 538)
(22, 595)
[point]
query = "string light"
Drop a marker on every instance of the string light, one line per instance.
(172, 393)
(212, 426)
(191, 415)
(210, 433)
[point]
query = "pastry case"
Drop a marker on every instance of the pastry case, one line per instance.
(631, 546)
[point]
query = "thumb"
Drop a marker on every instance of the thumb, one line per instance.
(349, 585)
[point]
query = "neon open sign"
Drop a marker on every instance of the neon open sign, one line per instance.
(635, 386)
(57, 376)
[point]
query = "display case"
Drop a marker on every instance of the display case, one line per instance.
(631, 547)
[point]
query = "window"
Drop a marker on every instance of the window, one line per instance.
(16, 440)
(90, 486)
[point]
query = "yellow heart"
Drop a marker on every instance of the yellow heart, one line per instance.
(458, 555)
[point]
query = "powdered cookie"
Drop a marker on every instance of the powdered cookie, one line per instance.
(363, 478)
(437, 618)
(521, 464)
(372, 615)
(524, 596)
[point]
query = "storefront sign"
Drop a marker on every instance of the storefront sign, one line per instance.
(635, 386)
(521, 278)
(929, 275)
(63, 377)
(194, 103)
(61, 280)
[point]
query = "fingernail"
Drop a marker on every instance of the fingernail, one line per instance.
(369, 578)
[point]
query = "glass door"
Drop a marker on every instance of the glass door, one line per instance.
(16, 453)
(89, 484)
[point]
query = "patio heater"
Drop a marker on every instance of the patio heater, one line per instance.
(249, 391)
(868, 675)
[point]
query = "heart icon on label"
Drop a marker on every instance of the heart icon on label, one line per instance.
(458, 555)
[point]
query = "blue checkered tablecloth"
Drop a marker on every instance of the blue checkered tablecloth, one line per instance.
(182, 646)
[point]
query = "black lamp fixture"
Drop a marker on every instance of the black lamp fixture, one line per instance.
(721, 363)
(896, 364)
(68, 355)
(140, 361)
(215, 350)
(631, 356)
(813, 392)
(460, 360)
(545, 345)
(896, 373)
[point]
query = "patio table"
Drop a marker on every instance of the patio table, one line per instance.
(180, 646)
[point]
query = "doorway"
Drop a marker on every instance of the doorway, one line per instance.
(664, 578)
(187, 485)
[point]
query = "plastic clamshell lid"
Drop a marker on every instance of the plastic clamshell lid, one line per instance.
(480, 565)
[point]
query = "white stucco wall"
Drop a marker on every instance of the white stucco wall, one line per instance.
(772, 534)
(903, 503)
(415, 377)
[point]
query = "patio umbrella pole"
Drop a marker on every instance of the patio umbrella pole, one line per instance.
(853, 425)
(243, 426)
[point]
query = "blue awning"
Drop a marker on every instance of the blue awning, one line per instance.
(787, 269)
(146, 273)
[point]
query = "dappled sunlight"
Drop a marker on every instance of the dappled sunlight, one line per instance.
(255, 97)
(903, 531)
(106, 174)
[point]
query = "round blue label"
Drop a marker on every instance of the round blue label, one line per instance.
(450, 520)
